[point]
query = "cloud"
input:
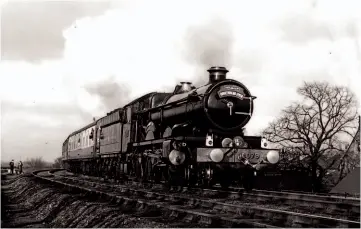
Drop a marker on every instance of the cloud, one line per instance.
(31, 30)
(151, 49)
(37, 104)
(37, 129)
(321, 20)
(141, 46)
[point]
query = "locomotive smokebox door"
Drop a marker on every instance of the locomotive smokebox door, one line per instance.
(228, 105)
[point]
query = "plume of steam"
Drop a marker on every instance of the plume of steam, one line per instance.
(111, 94)
(209, 45)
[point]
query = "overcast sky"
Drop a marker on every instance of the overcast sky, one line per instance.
(65, 62)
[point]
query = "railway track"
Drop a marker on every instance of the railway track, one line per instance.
(310, 196)
(347, 208)
(332, 195)
(229, 209)
(293, 195)
(334, 207)
(150, 205)
(234, 191)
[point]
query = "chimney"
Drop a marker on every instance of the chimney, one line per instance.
(217, 74)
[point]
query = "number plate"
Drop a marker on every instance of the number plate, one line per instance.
(231, 91)
(250, 155)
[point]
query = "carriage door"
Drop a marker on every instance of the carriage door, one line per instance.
(126, 129)
(97, 140)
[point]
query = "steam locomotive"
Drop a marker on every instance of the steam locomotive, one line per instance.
(192, 136)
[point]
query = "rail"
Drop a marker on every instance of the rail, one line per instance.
(232, 212)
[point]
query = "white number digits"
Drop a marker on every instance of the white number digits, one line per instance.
(250, 155)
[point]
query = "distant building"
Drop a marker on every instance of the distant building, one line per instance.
(350, 183)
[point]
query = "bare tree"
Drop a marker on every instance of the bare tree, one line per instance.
(314, 127)
(58, 163)
(35, 163)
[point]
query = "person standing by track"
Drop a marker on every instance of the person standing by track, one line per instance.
(12, 166)
(20, 167)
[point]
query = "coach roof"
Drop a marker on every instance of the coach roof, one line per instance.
(129, 104)
(84, 128)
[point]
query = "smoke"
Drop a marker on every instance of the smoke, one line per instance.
(150, 49)
(110, 93)
(209, 45)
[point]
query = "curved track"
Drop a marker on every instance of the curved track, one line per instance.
(345, 207)
(215, 207)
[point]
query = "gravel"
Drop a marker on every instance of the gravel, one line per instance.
(29, 204)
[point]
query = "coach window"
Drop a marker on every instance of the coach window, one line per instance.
(112, 131)
(90, 133)
(84, 139)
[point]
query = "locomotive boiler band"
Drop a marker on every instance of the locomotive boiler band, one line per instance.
(190, 136)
